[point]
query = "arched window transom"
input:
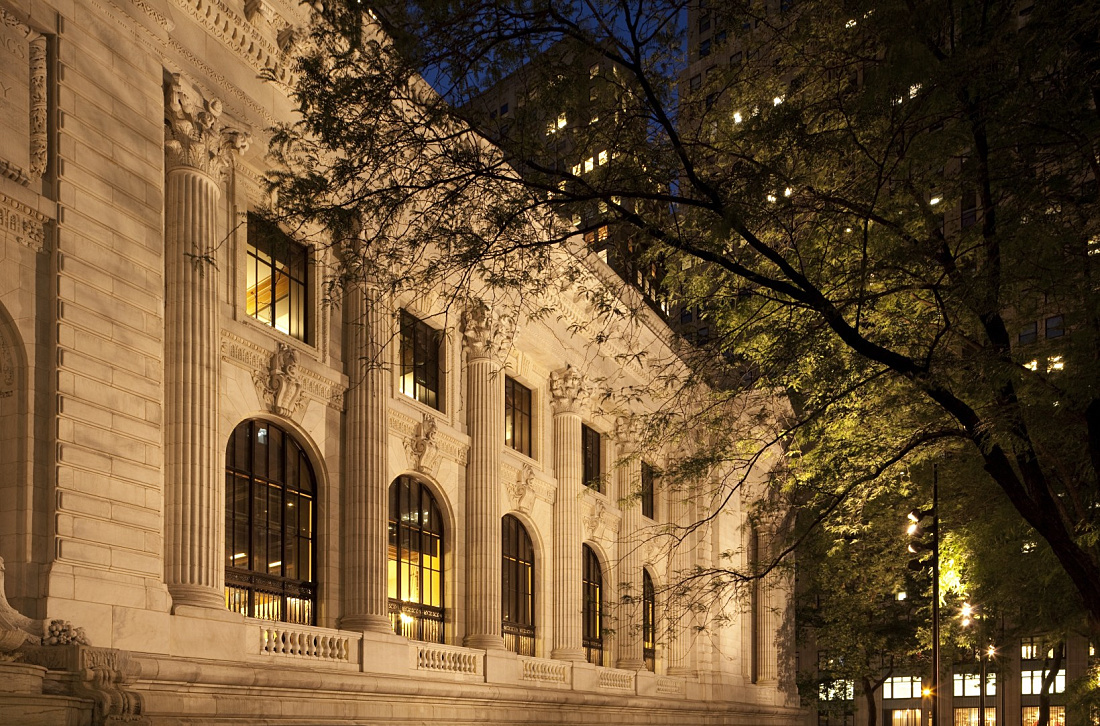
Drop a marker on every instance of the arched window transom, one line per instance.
(270, 518)
(517, 587)
(415, 561)
(592, 591)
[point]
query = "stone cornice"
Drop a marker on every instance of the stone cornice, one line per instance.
(239, 35)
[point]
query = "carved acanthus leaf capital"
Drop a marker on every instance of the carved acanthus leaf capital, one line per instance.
(627, 433)
(570, 391)
(486, 330)
(194, 135)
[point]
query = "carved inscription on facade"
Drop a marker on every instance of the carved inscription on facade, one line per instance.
(22, 100)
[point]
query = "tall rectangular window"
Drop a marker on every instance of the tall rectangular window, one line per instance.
(1029, 716)
(593, 465)
(517, 416)
(420, 358)
(648, 476)
(276, 284)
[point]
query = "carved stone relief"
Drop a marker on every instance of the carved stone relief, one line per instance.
(194, 135)
(569, 390)
(487, 330)
(257, 360)
(23, 101)
(280, 385)
(522, 488)
(593, 521)
(421, 446)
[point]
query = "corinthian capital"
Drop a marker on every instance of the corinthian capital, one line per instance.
(569, 390)
(627, 431)
(487, 331)
(193, 133)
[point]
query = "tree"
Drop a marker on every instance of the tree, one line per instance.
(872, 204)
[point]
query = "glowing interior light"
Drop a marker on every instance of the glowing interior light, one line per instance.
(850, 24)
(406, 619)
(902, 595)
(771, 197)
(737, 117)
(1032, 365)
(847, 230)
(935, 200)
(777, 100)
(914, 90)
(276, 563)
(1055, 363)
(239, 555)
(912, 529)
(561, 121)
(787, 192)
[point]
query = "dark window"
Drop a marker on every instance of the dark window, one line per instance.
(517, 416)
(1055, 327)
(735, 59)
(649, 622)
(704, 48)
(414, 562)
(275, 278)
(686, 315)
(593, 464)
(592, 586)
(711, 99)
(720, 37)
(270, 518)
(648, 475)
(695, 82)
(420, 356)
(517, 587)
(704, 24)
(1028, 334)
(969, 209)
(504, 110)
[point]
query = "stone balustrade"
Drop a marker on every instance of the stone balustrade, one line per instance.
(302, 641)
(542, 670)
(448, 659)
(616, 679)
(670, 686)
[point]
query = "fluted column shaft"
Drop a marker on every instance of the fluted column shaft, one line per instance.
(568, 396)
(485, 422)
(630, 564)
(679, 650)
(195, 496)
(363, 564)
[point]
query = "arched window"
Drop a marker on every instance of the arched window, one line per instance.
(649, 622)
(517, 587)
(270, 518)
(415, 561)
(593, 607)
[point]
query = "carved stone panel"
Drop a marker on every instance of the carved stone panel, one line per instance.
(22, 100)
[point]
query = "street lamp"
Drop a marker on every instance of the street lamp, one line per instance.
(919, 544)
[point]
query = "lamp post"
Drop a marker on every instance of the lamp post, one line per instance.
(915, 518)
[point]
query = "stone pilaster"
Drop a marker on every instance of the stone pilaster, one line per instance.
(486, 333)
(629, 580)
(365, 514)
(569, 394)
(196, 148)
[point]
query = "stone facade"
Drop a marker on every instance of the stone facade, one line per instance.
(128, 359)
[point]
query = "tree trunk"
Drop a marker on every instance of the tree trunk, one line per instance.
(869, 688)
(1048, 682)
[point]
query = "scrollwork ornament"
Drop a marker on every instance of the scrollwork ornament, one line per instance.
(280, 385)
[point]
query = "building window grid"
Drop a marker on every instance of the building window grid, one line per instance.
(968, 716)
(591, 454)
(592, 592)
(969, 684)
(903, 717)
(270, 520)
(1031, 682)
(420, 358)
(415, 565)
(1029, 716)
(276, 282)
(649, 623)
(902, 687)
(517, 416)
(517, 587)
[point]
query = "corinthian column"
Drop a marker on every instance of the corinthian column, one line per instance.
(486, 333)
(195, 146)
(365, 517)
(680, 617)
(630, 560)
(569, 394)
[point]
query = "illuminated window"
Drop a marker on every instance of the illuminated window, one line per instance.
(1029, 716)
(969, 684)
(648, 477)
(969, 716)
(589, 164)
(602, 157)
(591, 456)
(517, 587)
(414, 562)
(270, 518)
(1032, 682)
(649, 623)
(902, 687)
(420, 358)
(275, 279)
(517, 416)
(592, 591)
(904, 717)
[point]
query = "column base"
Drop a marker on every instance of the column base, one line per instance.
(198, 596)
(570, 654)
(631, 664)
(484, 641)
(367, 623)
